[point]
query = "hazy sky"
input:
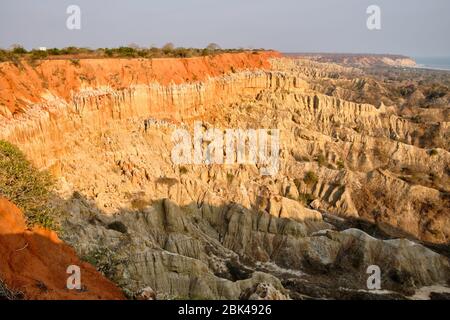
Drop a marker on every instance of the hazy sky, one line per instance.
(411, 27)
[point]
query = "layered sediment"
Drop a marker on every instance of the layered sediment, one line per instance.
(104, 128)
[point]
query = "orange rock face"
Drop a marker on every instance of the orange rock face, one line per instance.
(23, 85)
(40, 105)
(35, 262)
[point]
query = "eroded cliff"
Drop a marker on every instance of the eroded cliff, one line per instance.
(218, 231)
(34, 263)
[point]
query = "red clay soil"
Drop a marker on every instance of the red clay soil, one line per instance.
(24, 84)
(35, 261)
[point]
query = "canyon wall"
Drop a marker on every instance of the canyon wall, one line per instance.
(220, 231)
(26, 83)
(65, 99)
(40, 105)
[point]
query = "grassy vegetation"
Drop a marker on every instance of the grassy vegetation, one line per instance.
(408, 88)
(230, 178)
(75, 62)
(166, 181)
(340, 164)
(310, 178)
(306, 198)
(433, 152)
(105, 260)
(25, 186)
(183, 170)
(321, 160)
(17, 53)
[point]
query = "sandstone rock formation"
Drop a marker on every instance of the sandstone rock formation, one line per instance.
(225, 231)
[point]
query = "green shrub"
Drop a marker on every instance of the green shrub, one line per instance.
(436, 91)
(321, 160)
(340, 165)
(25, 186)
(9, 56)
(310, 178)
(132, 51)
(19, 50)
(109, 52)
(75, 62)
(105, 260)
(183, 170)
(54, 52)
(168, 48)
(306, 198)
(166, 181)
(126, 52)
(406, 91)
(38, 54)
(230, 178)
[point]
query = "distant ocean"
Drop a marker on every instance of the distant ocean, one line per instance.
(436, 63)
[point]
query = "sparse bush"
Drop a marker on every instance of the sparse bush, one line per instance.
(131, 51)
(126, 52)
(75, 62)
(310, 178)
(230, 178)
(38, 54)
(167, 49)
(306, 198)
(340, 165)
(54, 52)
(436, 92)
(105, 260)
(166, 181)
(406, 91)
(182, 53)
(183, 170)
(25, 186)
(205, 52)
(9, 56)
(321, 160)
(416, 118)
(109, 52)
(433, 152)
(19, 50)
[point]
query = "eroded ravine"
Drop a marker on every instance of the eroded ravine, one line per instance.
(214, 231)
